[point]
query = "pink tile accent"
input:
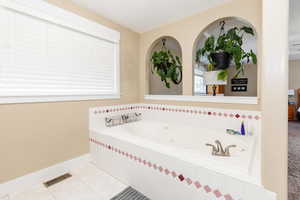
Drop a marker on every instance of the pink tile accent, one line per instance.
(228, 197)
(160, 169)
(217, 193)
(174, 174)
(207, 189)
(189, 181)
(197, 184)
(181, 178)
(167, 172)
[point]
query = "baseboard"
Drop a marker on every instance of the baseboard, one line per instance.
(29, 180)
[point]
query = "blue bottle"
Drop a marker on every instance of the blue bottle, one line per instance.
(243, 132)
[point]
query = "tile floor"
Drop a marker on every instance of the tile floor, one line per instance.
(87, 183)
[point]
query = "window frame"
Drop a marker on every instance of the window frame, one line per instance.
(45, 11)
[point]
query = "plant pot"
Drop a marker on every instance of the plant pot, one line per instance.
(221, 59)
(211, 78)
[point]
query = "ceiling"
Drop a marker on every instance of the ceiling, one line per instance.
(144, 15)
(294, 30)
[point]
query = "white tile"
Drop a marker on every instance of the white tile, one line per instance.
(72, 189)
(35, 193)
(101, 183)
(87, 169)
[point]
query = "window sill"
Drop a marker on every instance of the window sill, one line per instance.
(206, 99)
(44, 99)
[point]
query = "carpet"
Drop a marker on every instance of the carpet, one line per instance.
(294, 161)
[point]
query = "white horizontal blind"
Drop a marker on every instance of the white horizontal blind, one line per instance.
(40, 58)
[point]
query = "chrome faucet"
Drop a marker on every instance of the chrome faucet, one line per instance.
(218, 150)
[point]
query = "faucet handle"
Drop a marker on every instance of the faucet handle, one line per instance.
(227, 149)
(214, 148)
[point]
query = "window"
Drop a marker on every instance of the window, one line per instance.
(199, 84)
(42, 59)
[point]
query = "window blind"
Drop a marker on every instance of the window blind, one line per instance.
(41, 58)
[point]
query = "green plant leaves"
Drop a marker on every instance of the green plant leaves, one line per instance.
(164, 63)
(223, 75)
(248, 30)
(230, 42)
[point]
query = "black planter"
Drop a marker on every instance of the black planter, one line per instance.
(222, 60)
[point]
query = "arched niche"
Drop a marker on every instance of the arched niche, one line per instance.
(251, 70)
(155, 85)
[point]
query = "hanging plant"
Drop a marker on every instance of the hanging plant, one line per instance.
(167, 66)
(227, 47)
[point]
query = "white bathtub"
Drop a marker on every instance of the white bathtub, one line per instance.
(167, 160)
(188, 144)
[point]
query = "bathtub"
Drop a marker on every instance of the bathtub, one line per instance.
(166, 160)
(189, 145)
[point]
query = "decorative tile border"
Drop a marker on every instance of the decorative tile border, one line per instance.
(179, 109)
(163, 170)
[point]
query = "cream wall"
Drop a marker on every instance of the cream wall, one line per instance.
(186, 31)
(36, 136)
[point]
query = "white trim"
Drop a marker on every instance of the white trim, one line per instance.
(12, 100)
(45, 11)
(22, 183)
(212, 99)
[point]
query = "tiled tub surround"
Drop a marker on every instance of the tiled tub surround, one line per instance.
(165, 157)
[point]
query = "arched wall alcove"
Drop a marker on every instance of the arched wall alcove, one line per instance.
(249, 43)
(155, 85)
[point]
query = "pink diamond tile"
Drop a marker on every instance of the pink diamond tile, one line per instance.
(167, 172)
(207, 189)
(161, 169)
(237, 116)
(154, 166)
(197, 184)
(217, 193)
(181, 177)
(189, 181)
(228, 197)
(149, 164)
(144, 162)
(257, 117)
(174, 174)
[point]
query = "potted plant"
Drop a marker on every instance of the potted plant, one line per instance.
(167, 66)
(227, 47)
